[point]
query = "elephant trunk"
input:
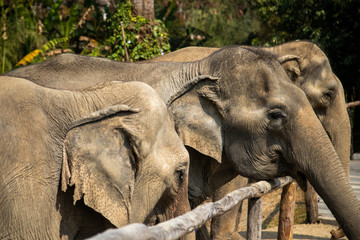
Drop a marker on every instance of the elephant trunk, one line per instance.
(179, 206)
(323, 169)
(337, 123)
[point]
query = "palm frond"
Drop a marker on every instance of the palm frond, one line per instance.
(44, 48)
(28, 58)
(52, 43)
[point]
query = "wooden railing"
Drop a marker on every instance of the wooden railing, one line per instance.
(190, 221)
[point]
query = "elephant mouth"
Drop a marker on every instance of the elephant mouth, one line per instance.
(278, 161)
(301, 180)
(153, 219)
(275, 155)
(271, 164)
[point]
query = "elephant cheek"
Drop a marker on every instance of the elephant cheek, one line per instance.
(145, 200)
(169, 207)
(179, 205)
(249, 159)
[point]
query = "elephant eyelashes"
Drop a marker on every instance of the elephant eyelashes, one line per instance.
(277, 118)
(180, 175)
(328, 96)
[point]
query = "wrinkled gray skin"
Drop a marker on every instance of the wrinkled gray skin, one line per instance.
(113, 148)
(309, 69)
(252, 121)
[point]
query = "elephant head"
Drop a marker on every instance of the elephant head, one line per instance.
(125, 165)
(114, 142)
(265, 127)
(309, 69)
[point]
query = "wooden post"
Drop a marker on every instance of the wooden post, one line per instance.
(311, 202)
(287, 207)
(336, 234)
(254, 219)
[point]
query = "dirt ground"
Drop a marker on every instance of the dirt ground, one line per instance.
(301, 231)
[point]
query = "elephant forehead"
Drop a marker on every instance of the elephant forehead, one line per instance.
(255, 78)
(319, 68)
(168, 146)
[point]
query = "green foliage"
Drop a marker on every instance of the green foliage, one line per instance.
(209, 22)
(34, 30)
(332, 25)
(286, 20)
(38, 54)
(31, 29)
(144, 38)
(61, 20)
(20, 35)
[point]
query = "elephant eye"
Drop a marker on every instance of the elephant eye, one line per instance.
(329, 95)
(277, 117)
(276, 114)
(180, 175)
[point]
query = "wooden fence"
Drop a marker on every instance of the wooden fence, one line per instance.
(190, 221)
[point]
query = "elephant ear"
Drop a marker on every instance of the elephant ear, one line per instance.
(198, 122)
(99, 161)
(294, 66)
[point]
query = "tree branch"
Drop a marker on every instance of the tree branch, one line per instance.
(353, 104)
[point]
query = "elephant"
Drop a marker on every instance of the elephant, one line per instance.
(74, 163)
(245, 118)
(309, 69)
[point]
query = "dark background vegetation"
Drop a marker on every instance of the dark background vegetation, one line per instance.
(33, 31)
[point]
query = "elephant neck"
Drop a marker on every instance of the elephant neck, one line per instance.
(169, 79)
(179, 81)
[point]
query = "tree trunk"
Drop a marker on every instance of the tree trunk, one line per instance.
(144, 8)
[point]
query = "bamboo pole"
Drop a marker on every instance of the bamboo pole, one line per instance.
(184, 224)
